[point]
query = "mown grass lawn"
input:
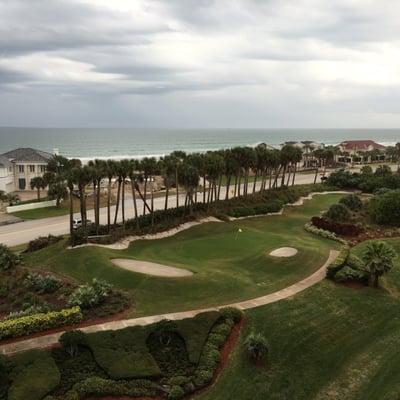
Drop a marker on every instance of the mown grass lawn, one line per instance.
(228, 266)
(330, 342)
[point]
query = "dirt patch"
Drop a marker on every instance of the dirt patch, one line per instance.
(284, 252)
(354, 285)
(150, 268)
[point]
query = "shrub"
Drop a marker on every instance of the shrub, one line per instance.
(71, 341)
(385, 209)
(42, 242)
(29, 310)
(4, 382)
(347, 273)
(90, 295)
(337, 264)
(232, 313)
(309, 227)
(176, 392)
(336, 227)
(42, 283)
(352, 202)
(256, 346)
(39, 322)
(202, 378)
(338, 212)
(34, 375)
(97, 387)
(8, 259)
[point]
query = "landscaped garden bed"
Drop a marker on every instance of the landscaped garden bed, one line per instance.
(169, 359)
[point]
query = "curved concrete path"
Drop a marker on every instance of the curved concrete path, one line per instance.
(48, 340)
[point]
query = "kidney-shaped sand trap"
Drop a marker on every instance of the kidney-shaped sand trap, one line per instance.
(284, 252)
(150, 268)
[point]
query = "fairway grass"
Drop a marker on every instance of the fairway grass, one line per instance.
(228, 265)
(330, 342)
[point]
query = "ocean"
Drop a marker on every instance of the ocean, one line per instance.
(136, 143)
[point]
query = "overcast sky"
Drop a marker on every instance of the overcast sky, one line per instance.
(200, 63)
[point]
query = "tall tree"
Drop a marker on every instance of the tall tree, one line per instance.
(38, 183)
(378, 258)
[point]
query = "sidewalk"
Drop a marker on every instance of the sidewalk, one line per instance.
(48, 340)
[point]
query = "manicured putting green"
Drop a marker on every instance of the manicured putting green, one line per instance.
(228, 265)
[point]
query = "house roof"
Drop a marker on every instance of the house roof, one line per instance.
(4, 162)
(26, 154)
(361, 145)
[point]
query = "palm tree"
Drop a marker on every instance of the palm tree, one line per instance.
(168, 173)
(125, 166)
(229, 170)
(70, 174)
(132, 174)
(286, 156)
(110, 170)
(118, 173)
(178, 157)
(148, 166)
(319, 154)
(189, 176)
(83, 177)
(378, 258)
(296, 158)
(38, 183)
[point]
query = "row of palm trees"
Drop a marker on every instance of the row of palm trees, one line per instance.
(199, 175)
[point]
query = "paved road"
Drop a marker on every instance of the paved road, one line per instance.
(51, 339)
(23, 232)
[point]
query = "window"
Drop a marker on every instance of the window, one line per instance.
(42, 168)
(21, 169)
(31, 168)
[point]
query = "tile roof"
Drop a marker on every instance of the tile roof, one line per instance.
(360, 145)
(27, 154)
(4, 162)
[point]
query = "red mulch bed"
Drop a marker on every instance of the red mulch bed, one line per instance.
(226, 352)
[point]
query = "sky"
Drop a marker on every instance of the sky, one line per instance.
(200, 63)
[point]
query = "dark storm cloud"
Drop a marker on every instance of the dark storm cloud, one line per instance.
(220, 62)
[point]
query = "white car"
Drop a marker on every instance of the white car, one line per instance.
(77, 222)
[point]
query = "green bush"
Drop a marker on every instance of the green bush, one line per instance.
(202, 378)
(42, 242)
(352, 202)
(39, 322)
(123, 354)
(8, 259)
(71, 341)
(338, 263)
(349, 274)
(256, 346)
(4, 382)
(42, 283)
(176, 392)
(309, 227)
(338, 213)
(232, 313)
(34, 375)
(90, 295)
(385, 209)
(106, 387)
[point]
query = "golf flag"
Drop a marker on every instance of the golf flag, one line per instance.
(237, 233)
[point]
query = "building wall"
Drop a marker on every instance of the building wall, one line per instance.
(6, 179)
(25, 171)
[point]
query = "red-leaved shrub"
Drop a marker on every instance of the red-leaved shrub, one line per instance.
(336, 227)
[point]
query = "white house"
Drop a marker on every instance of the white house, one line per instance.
(18, 167)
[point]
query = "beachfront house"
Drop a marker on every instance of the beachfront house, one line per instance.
(360, 152)
(307, 147)
(19, 166)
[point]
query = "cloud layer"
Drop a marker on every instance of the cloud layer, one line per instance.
(200, 63)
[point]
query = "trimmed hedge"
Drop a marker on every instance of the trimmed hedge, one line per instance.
(34, 375)
(336, 265)
(309, 227)
(336, 227)
(39, 322)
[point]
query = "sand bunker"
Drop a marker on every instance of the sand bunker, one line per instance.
(150, 268)
(284, 252)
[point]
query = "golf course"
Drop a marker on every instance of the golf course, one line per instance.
(230, 261)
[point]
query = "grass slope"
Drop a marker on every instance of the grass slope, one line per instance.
(227, 266)
(330, 342)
